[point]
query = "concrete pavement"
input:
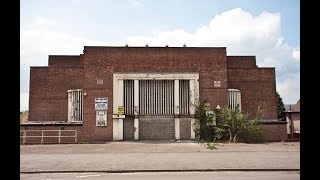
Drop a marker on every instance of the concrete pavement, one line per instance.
(167, 175)
(152, 156)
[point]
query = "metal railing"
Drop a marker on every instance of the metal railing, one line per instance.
(25, 136)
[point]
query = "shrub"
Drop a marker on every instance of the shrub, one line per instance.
(232, 124)
(252, 132)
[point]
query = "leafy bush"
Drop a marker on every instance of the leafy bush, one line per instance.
(234, 121)
(220, 133)
(232, 124)
(239, 126)
(23, 116)
(252, 132)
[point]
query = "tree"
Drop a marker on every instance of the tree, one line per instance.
(23, 116)
(202, 130)
(280, 108)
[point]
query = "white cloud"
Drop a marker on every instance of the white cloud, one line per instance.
(296, 55)
(43, 22)
(242, 34)
(39, 40)
(288, 85)
(24, 101)
(236, 29)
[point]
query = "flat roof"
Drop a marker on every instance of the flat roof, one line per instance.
(152, 47)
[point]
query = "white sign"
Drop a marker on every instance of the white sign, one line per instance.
(217, 83)
(101, 118)
(101, 104)
(100, 81)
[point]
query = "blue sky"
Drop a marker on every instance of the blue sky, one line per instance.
(269, 29)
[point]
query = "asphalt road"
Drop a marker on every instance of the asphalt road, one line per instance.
(225, 175)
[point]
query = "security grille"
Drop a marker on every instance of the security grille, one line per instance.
(75, 105)
(234, 99)
(128, 96)
(184, 96)
(156, 96)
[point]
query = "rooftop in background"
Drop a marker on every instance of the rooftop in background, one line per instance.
(292, 107)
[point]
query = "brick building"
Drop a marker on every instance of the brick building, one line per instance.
(293, 120)
(144, 93)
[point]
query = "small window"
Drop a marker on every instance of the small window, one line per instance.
(75, 105)
(234, 99)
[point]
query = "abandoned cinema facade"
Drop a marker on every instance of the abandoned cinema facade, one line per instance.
(113, 93)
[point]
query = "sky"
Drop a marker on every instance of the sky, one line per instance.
(267, 29)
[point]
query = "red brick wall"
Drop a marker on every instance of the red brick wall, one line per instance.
(210, 63)
(258, 88)
(100, 63)
(48, 97)
(274, 132)
(241, 62)
(91, 132)
(65, 61)
(49, 85)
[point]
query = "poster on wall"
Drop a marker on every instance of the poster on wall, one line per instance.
(101, 104)
(101, 118)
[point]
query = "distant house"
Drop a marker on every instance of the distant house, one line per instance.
(293, 118)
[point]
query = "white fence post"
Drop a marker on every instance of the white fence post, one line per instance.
(41, 136)
(59, 136)
(24, 136)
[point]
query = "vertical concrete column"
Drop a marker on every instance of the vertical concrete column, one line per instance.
(117, 101)
(176, 110)
(192, 97)
(177, 128)
(120, 125)
(136, 109)
(192, 107)
(193, 134)
(120, 129)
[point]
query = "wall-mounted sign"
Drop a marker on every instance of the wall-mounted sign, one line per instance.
(101, 118)
(120, 110)
(206, 106)
(217, 83)
(101, 104)
(100, 81)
